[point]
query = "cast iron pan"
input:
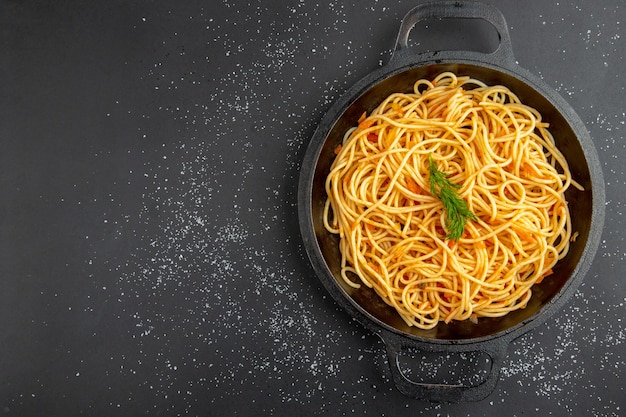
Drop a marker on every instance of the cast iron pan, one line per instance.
(490, 336)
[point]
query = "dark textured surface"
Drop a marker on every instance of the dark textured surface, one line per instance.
(150, 256)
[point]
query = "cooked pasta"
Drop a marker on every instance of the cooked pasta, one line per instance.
(394, 235)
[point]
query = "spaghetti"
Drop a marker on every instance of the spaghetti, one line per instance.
(504, 165)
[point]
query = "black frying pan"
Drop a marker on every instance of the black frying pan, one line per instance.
(490, 336)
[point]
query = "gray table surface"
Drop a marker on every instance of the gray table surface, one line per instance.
(150, 256)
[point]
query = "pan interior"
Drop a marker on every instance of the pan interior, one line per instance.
(580, 204)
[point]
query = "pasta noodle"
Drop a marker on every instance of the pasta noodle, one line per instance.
(392, 229)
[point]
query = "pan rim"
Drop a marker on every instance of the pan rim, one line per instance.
(337, 110)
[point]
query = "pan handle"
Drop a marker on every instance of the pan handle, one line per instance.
(451, 10)
(451, 393)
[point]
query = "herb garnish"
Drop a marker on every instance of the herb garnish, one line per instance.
(457, 212)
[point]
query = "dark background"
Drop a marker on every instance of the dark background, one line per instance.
(150, 256)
